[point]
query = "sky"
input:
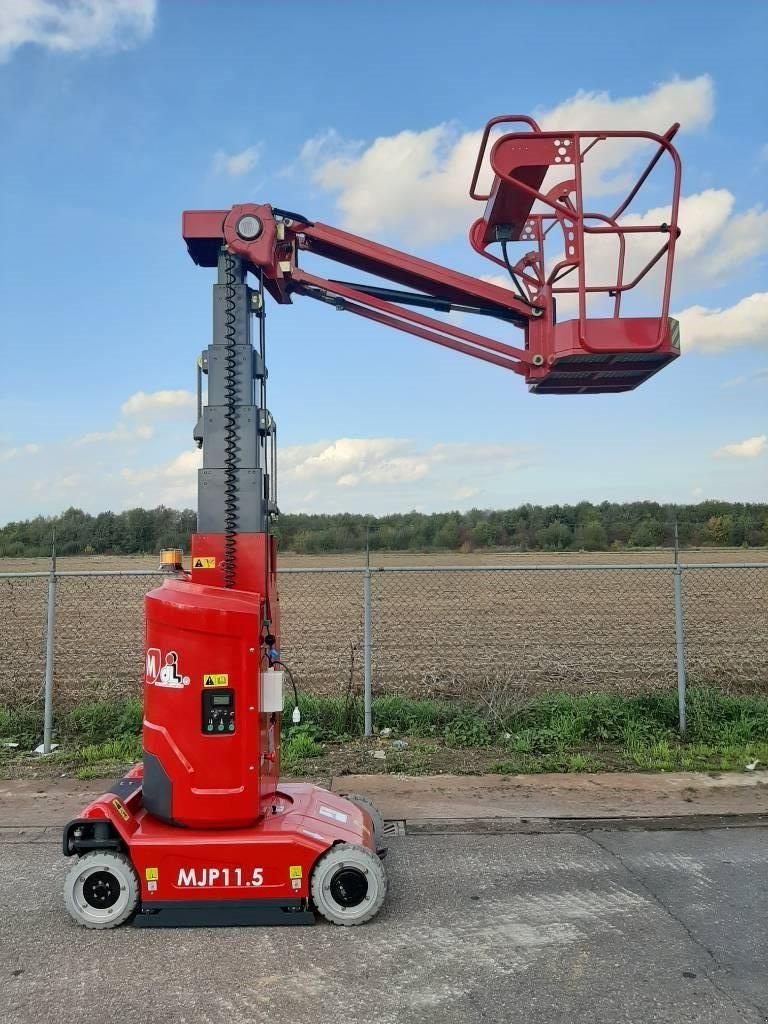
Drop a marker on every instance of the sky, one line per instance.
(116, 115)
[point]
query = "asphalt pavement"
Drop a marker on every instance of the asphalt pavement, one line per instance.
(603, 926)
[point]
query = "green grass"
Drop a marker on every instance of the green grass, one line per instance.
(295, 748)
(22, 725)
(553, 733)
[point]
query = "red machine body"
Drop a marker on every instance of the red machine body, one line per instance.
(225, 868)
(202, 832)
(201, 664)
(202, 682)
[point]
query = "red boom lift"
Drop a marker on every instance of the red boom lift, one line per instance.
(201, 832)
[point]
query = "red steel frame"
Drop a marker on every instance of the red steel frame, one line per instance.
(606, 354)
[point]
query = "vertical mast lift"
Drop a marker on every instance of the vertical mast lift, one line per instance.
(202, 832)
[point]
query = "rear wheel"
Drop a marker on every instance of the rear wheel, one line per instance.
(373, 812)
(101, 890)
(348, 885)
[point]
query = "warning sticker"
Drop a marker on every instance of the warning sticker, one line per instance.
(204, 563)
(294, 871)
(121, 810)
(151, 874)
(216, 679)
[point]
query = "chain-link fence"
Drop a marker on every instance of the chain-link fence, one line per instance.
(572, 630)
(426, 631)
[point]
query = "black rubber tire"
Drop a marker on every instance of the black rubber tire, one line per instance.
(348, 859)
(374, 813)
(113, 866)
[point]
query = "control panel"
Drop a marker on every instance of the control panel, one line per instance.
(218, 712)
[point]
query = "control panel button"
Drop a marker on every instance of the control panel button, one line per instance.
(218, 712)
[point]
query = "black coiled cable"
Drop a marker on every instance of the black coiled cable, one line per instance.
(232, 438)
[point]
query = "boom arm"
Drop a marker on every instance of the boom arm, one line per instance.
(280, 237)
(584, 355)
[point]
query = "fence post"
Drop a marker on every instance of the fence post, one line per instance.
(680, 646)
(367, 650)
(50, 634)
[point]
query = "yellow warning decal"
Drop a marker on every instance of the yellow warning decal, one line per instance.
(151, 874)
(215, 679)
(204, 563)
(294, 871)
(121, 810)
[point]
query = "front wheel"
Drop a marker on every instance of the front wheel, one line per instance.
(101, 890)
(349, 884)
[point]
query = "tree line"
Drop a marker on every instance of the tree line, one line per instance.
(585, 526)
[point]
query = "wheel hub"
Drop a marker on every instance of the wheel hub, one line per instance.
(349, 887)
(101, 890)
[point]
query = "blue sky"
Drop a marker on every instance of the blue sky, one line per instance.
(116, 116)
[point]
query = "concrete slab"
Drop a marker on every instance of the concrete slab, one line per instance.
(611, 928)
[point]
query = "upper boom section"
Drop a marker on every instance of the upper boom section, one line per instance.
(583, 355)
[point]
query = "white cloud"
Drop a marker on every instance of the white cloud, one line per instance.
(744, 236)
(159, 405)
(717, 330)
(352, 461)
(465, 493)
(509, 456)
(349, 472)
(691, 102)
(171, 483)
(182, 466)
(390, 471)
(187, 462)
(236, 164)
(143, 411)
(356, 462)
(6, 454)
(72, 25)
(385, 474)
(748, 449)
(415, 182)
(141, 432)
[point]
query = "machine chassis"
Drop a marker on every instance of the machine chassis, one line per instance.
(187, 877)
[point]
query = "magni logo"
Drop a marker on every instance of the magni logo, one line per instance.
(164, 671)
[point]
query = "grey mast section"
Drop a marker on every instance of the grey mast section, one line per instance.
(230, 486)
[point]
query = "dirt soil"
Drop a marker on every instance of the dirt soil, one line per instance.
(35, 804)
